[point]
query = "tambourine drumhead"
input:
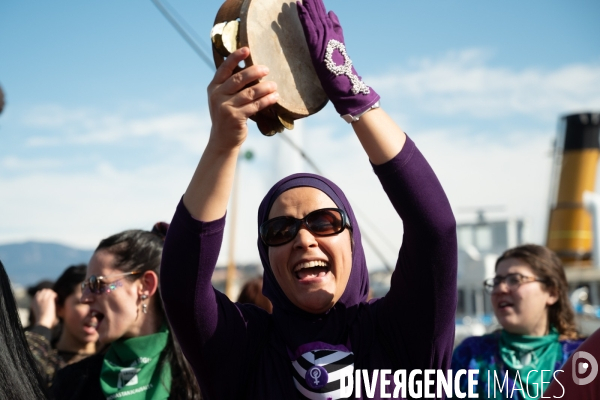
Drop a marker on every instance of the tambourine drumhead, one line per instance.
(272, 31)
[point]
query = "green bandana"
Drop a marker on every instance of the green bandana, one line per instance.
(529, 355)
(130, 369)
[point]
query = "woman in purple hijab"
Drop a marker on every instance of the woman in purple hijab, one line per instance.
(322, 330)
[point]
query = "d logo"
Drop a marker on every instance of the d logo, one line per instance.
(581, 367)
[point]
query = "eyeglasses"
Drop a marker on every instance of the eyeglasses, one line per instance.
(513, 281)
(97, 285)
(323, 222)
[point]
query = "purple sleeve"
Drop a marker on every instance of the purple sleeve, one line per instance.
(418, 311)
(203, 319)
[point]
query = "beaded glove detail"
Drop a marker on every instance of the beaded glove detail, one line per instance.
(325, 39)
(358, 86)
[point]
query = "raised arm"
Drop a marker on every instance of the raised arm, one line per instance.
(213, 332)
(379, 135)
(417, 315)
(230, 107)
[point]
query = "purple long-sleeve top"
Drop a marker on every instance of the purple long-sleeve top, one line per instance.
(241, 351)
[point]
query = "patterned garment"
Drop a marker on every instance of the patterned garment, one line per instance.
(483, 353)
(318, 372)
(49, 359)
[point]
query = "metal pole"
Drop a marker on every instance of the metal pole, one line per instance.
(172, 18)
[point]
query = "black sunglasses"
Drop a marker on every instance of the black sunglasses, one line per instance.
(323, 222)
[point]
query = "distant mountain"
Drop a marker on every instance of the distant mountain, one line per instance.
(28, 263)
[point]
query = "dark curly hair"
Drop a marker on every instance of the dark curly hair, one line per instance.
(547, 266)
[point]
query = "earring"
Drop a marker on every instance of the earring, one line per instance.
(144, 306)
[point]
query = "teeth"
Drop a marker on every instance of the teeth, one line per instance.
(310, 264)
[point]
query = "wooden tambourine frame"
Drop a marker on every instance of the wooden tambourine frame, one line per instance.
(272, 31)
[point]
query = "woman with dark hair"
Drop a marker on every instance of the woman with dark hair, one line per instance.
(530, 300)
(141, 359)
(78, 336)
(19, 376)
(322, 328)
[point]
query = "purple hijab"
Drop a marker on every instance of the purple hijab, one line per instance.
(297, 326)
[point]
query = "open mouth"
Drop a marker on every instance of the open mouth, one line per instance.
(504, 304)
(95, 319)
(311, 269)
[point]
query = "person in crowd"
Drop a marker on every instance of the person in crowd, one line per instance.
(141, 359)
(251, 293)
(322, 327)
(19, 375)
(78, 334)
(584, 368)
(32, 291)
(529, 295)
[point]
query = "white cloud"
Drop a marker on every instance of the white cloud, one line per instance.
(466, 82)
(81, 208)
(478, 162)
(86, 127)
(513, 173)
(13, 163)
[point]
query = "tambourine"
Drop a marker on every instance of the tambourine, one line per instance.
(272, 31)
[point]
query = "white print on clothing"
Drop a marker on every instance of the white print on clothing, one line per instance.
(358, 86)
(129, 392)
(318, 373)
(128, 377)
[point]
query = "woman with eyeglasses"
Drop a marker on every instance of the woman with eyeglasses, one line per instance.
(322, 328)
(78, 336)
(141, 358)
(530, 300)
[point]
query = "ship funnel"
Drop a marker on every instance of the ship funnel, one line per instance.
(576, 158)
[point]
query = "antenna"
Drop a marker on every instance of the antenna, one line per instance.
(173, 18)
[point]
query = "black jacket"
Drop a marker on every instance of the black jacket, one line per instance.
(80, 380)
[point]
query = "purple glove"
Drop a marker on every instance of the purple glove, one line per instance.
(339, 79)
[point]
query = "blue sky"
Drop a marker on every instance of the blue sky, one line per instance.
(106, 111)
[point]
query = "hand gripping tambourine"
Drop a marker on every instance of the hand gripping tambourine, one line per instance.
(272, 31)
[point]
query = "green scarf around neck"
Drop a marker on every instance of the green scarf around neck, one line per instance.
(529, 355)
(131, 371)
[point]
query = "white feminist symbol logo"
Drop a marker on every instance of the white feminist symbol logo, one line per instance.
(316, 374)
(358, 86)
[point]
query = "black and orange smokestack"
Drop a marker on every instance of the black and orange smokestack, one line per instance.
(570, 226)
